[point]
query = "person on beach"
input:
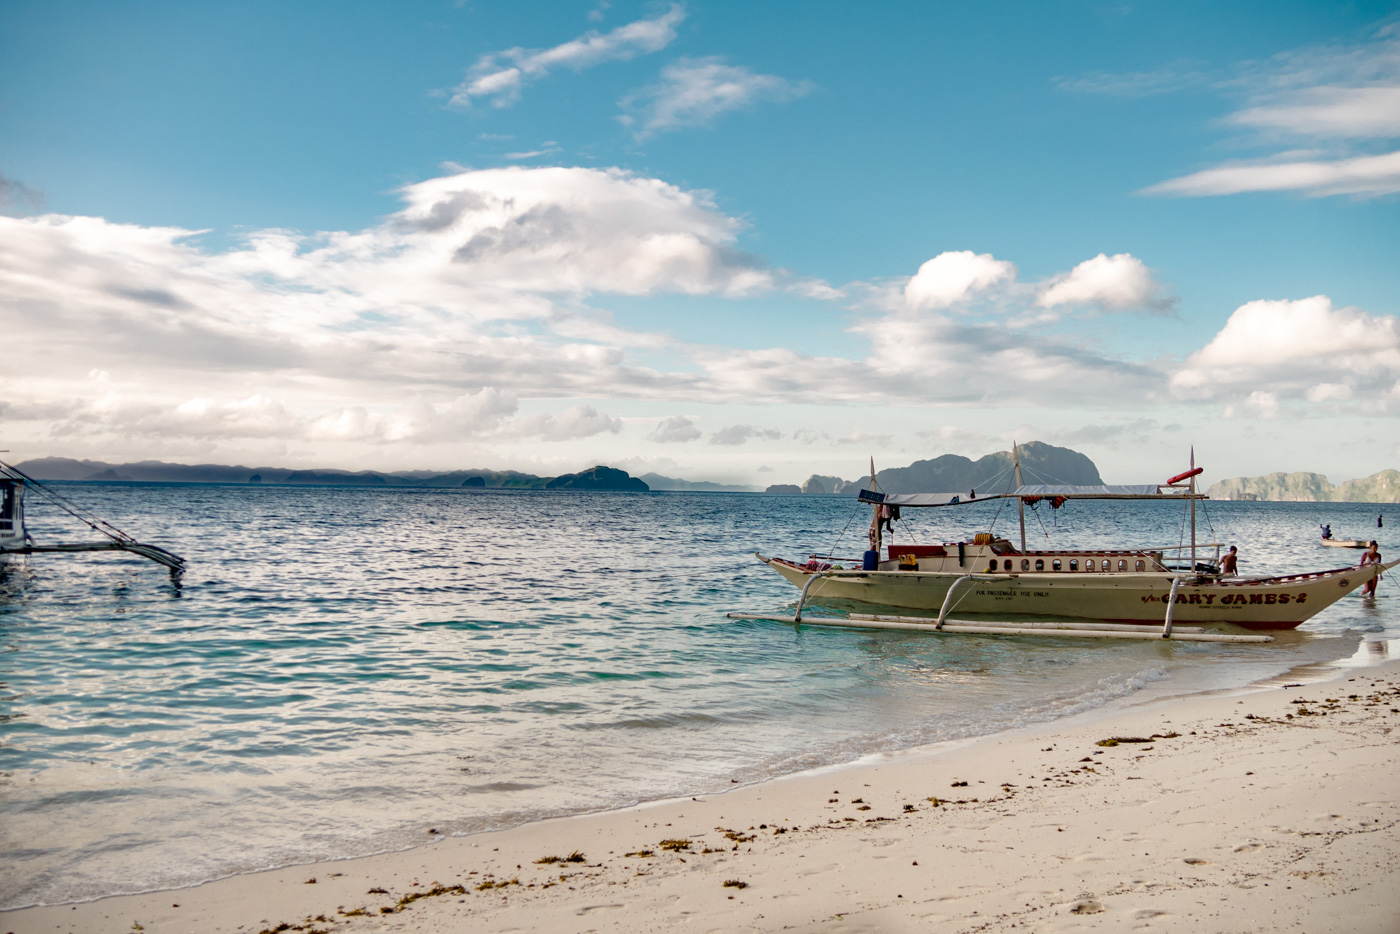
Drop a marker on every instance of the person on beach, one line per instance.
(1372, 556)
(1228, 563)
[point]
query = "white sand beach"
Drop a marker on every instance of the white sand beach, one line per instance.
(1273, 810)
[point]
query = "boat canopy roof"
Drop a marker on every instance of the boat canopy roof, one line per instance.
(1035, 491)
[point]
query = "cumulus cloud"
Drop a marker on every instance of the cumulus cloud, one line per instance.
(1345, 99)
(500, 76)
(740, 434)
(673, 430)
(694, 91)
(1272, 350)
(579, 421)
(428, 301)
(950, 277)
(1115, 282)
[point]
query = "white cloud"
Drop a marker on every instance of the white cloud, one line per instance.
(866, 438)
(1296, 349)
(1330, 392)
(950, 277)
(482, 415)
(1330, 112)
(693, 92)
(547, 148)
(501, 75)
(739, 434)
(1261, 404)
(579, 421)
(1337, 95)
(429, 301)
(1119, 281)
(1358, 175)
(676, 429)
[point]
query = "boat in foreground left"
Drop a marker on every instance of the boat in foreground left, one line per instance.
(15, 538)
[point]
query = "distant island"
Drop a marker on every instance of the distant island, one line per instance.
(951, 473)
(1383, 487)
(66, 468)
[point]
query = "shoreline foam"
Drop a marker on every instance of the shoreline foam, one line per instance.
(1247, 820)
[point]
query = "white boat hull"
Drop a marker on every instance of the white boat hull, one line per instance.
(1125, 596)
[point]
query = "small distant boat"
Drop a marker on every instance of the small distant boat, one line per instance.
(15, 538)
(1345, 543)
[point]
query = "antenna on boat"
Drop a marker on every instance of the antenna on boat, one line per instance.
(1193, 509)
(1020, 503)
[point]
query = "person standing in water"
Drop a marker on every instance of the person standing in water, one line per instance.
(1372, 556)
(1228, 563)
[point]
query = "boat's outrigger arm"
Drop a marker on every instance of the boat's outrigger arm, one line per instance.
(952, 588)
(154, 552)
(117, 540)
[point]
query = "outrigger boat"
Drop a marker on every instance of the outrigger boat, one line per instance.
(15, 538)
(1126, 590)
(1331, 542)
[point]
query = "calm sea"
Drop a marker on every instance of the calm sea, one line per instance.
(343, 669)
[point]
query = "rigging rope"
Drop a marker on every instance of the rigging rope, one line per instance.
(93, 522)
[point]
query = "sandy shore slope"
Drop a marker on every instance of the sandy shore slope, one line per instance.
(1272, 811)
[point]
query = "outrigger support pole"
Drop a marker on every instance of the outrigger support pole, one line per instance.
(948, 598)
(1171, 607)
(797, 617)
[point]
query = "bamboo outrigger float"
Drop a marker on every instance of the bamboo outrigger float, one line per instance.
(1128, 593)
(15, 538)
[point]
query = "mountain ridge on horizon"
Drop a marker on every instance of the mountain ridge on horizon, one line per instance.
(950, 471)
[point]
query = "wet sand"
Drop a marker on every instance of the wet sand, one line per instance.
(1274, 810)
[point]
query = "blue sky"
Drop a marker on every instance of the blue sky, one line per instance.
(693, 237)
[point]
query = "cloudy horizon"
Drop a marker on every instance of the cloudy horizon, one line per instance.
(640, 235)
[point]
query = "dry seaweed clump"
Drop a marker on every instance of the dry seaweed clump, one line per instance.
(284, 926)
(640, 853)
(674, 845)
(1115, 740)
(735, 884)
(574, 857)
(437, 889)
(489, 884)
(735, 836)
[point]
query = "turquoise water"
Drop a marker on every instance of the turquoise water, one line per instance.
(342, 670)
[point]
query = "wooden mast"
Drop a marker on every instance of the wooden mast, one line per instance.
(1020, 503)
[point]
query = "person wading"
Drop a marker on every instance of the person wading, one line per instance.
(1372, 556)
